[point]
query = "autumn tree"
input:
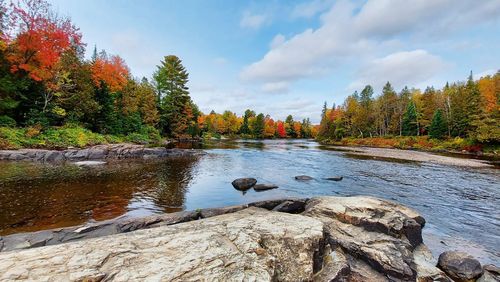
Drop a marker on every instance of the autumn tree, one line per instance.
(40, 41)
(280, 129)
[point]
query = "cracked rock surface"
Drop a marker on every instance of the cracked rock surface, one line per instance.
(318, 239)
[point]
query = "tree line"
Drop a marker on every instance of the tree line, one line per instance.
(46, 81)
(467, 109)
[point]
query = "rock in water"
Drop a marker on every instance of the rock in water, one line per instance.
(243, 184)
(303, 177)
(460, 266)
(263, 187)
(335, 178)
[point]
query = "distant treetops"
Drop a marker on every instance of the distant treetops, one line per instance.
(468, 109)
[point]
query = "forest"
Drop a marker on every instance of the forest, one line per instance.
(465, 112)
(50, 95)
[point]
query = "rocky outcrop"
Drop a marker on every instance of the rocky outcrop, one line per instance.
(460, 266)
(249, 245)
(320, 239)
(243, 184)
(99, 152)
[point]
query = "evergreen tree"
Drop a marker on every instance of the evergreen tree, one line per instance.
(438, 127)
(258, 126)
(170, 80)
(323, 111)
(245, 128)
(410, 126)
(289, 128)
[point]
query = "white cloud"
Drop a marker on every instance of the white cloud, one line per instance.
(253, 21)
(485, 73)
(400, 69)
(275, 87)
(349, 30)
(310, 8)
(277, 41)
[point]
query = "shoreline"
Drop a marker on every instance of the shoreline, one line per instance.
(411, 155)
(95, 153)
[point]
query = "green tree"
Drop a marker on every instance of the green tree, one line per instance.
(245, 127)
(174, 102)
(289, 128)
(438, 127)
(258, 126)
(410, 126)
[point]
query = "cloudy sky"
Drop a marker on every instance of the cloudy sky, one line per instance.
(288, 57)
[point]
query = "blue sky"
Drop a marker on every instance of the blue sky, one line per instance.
(288, 57)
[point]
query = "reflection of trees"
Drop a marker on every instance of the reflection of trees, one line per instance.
(51, 197)
(174, 176)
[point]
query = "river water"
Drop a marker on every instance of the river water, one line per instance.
(461, 205)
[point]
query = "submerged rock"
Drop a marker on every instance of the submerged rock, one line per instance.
(460, 266)
(243, 184)
(303, 177)
(335, 178)
(263, 187)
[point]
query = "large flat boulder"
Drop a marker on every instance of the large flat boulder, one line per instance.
(377, 236)
(248, 245)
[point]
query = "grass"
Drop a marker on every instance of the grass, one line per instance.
(68, 136)
(424, 143)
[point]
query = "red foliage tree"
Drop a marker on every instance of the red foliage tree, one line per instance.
(113, 72)
(280, 129)
(41, 40)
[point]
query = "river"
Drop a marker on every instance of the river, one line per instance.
(461, 205)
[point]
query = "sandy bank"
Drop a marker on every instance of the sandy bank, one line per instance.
(410, 155)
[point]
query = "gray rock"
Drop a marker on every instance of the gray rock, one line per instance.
(244, 184)
(205, 213)
(291, 206)
(89, 163)
(263, 187)
(335, 178)
(303, 177)
(249, 245)
(460, 266)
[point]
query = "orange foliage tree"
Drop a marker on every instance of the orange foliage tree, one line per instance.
(113, 72)
(280, 129)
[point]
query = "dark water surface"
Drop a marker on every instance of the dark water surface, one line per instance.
(461, 205)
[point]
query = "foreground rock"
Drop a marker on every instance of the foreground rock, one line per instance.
(320, 239)
(99, 152)
(244, 184)
(249, 245)
(263, 187)
(460, 266)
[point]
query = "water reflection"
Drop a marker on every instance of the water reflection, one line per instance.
(36, 196)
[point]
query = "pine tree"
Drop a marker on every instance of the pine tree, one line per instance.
(438, 127)
(258, 126)
(170, 80)
(410, 127)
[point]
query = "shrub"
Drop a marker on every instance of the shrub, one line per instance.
(6, 121)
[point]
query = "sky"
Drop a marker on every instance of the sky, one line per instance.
(289, 57)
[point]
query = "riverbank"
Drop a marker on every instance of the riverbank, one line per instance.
(411, 155)
(94, 153)
(320, 239)
(422, 143)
